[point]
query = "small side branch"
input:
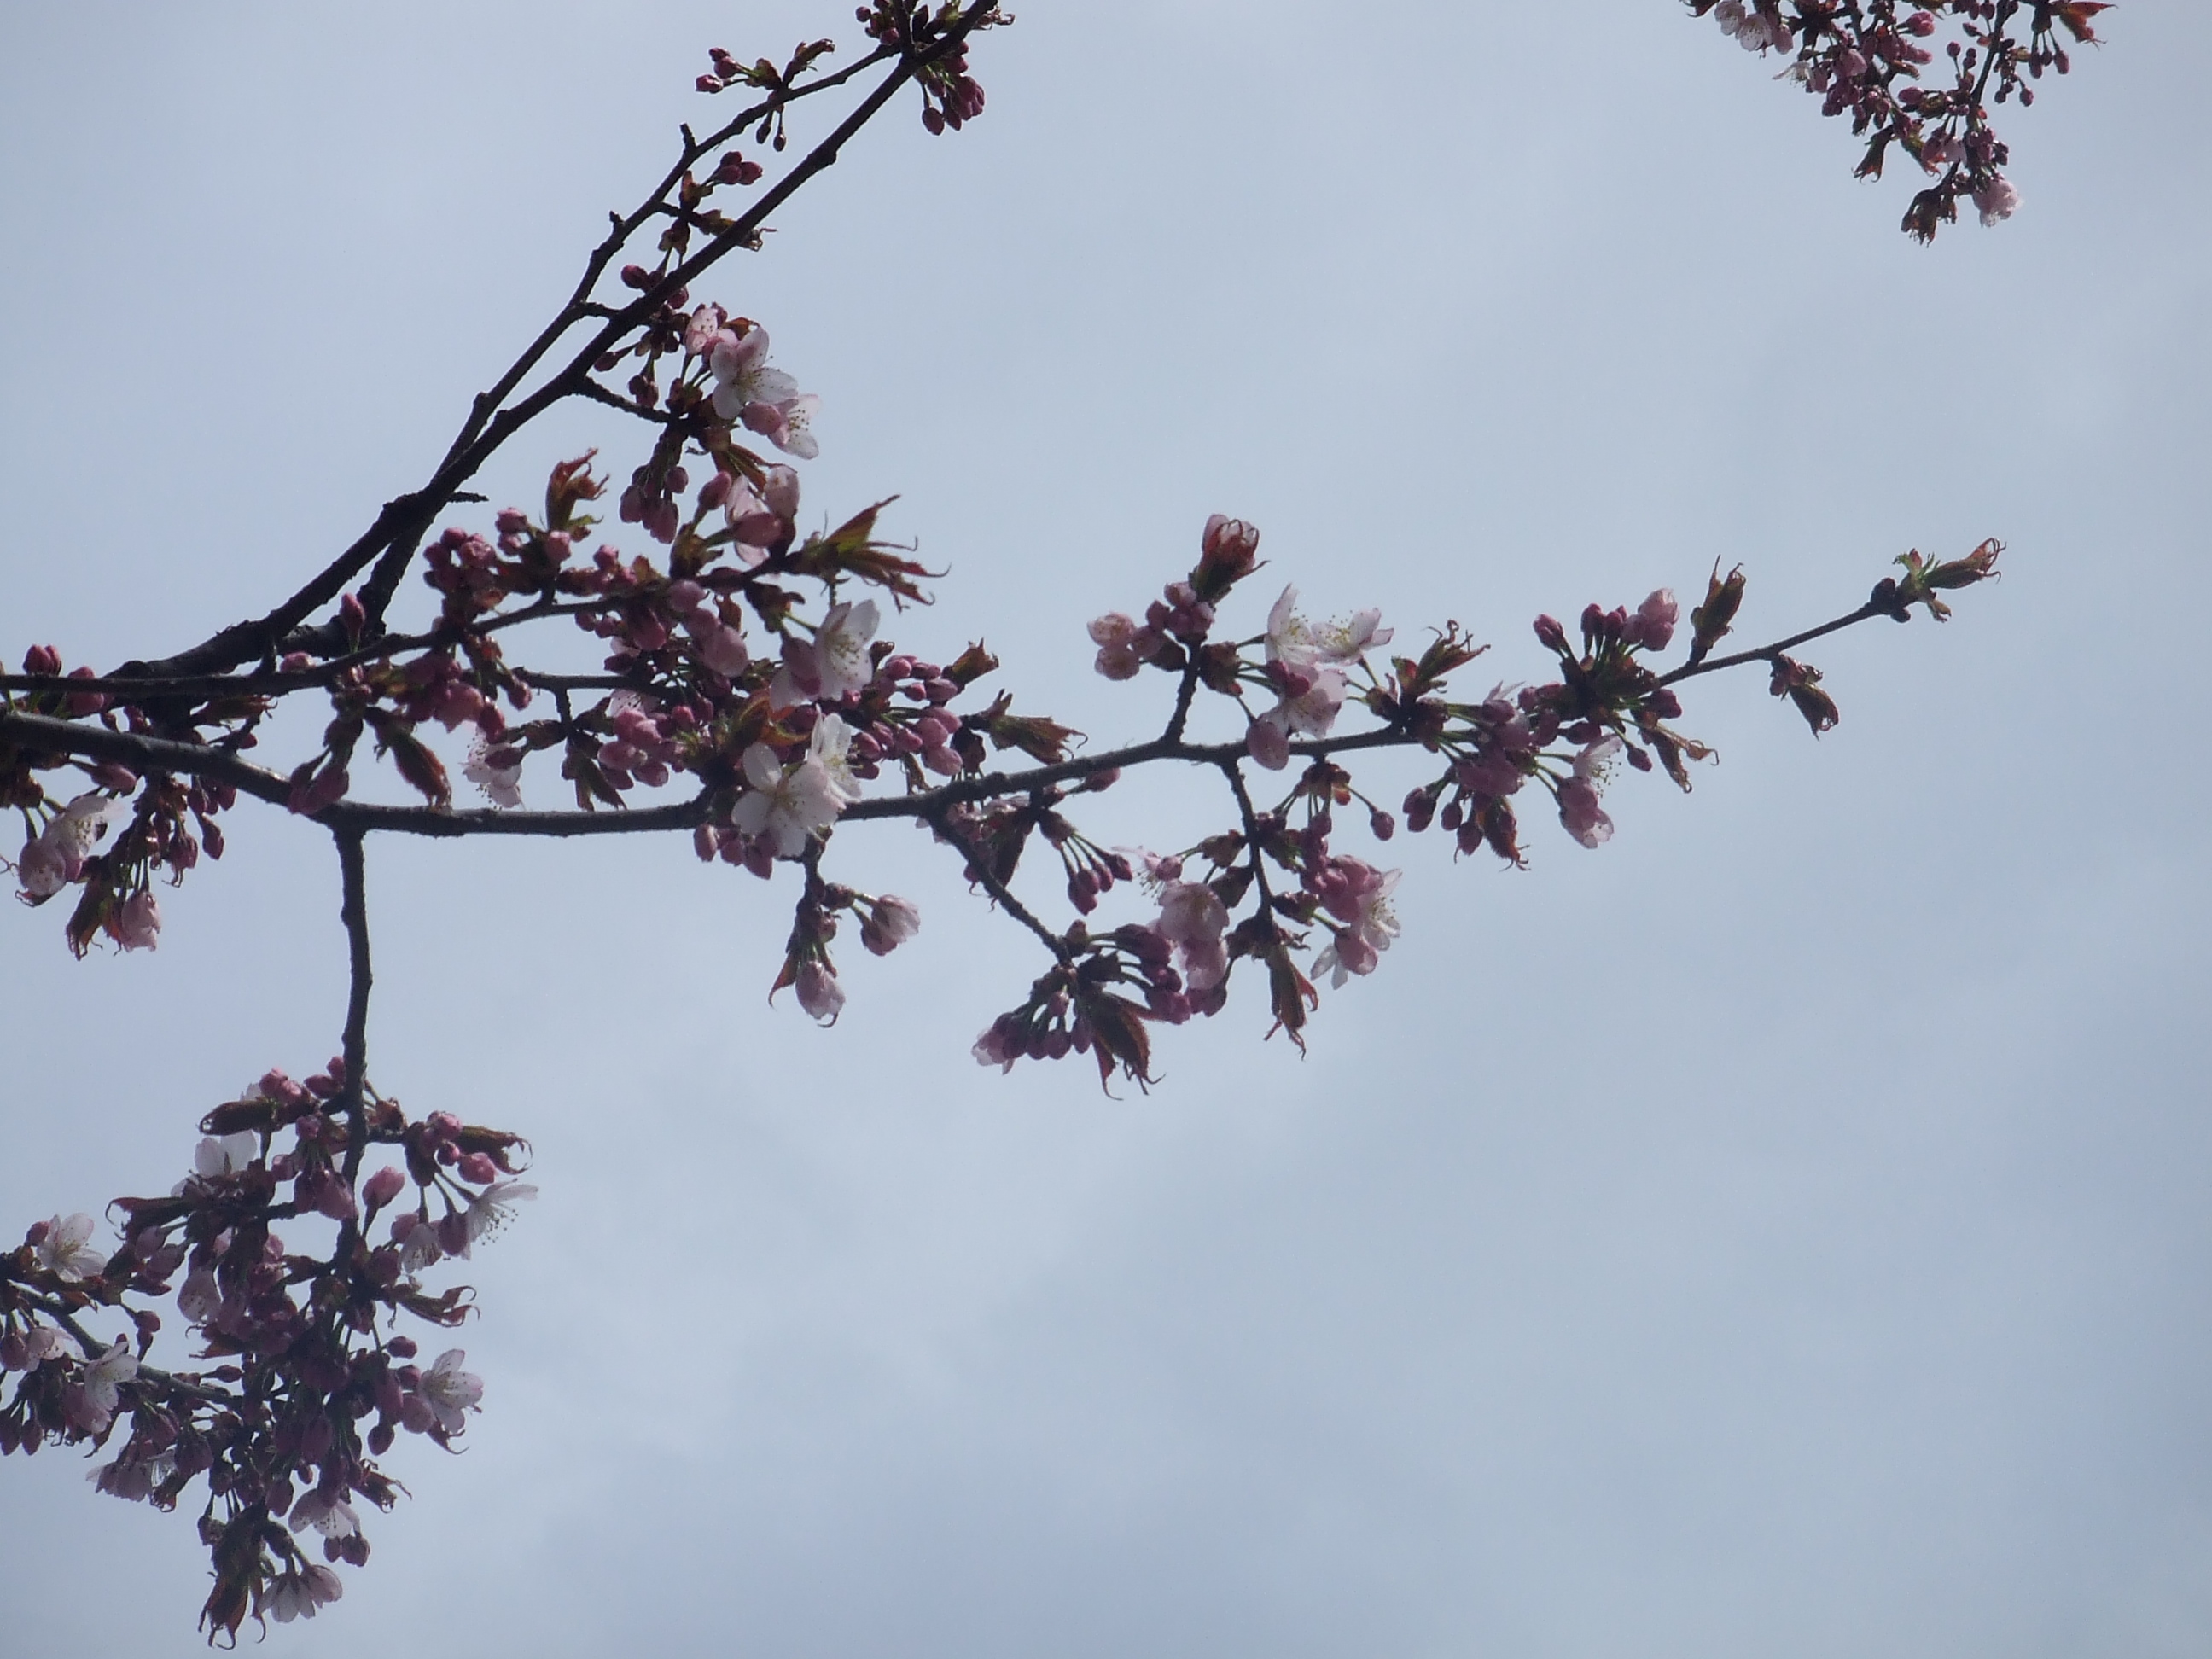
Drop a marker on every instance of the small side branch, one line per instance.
(353, 911)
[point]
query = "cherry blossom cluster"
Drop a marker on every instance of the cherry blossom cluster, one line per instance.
(311, 1381)
(1877, 61)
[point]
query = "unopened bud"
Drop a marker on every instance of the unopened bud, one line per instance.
(380, 1188)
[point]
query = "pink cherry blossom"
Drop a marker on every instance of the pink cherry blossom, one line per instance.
(767, 400)
(1354, 893)
(57, 856)
(1115, 635)
(1585, 820)
(33, 1347)
(786, 424)
(1192, 919)
(1308, 708)
(703, 329)
(890, 921)
(1998, 199)
(1652, 626)
(835, 664)
(819, 992)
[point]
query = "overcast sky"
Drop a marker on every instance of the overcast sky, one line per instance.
(1781, 1232)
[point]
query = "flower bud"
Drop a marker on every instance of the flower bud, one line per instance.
(380, 1188)
(1269, 744)
(1553, 635)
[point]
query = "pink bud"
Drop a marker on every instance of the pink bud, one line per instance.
(478, 1169)
(380, 1188)
(1269, 744)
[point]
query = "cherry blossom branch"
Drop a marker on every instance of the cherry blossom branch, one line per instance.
(404, 519)
(980, 871)
(353, 912)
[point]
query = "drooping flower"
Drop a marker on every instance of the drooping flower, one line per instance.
(333, 1517)
(417, 1241)
(1356, 895)
(298, 1595)
(1998, 199)
(199, 1298)
(1579, 810)
(66, 1250)
(137, 923)
(785, 804)
(497, 771)
(1292, 639)
(491, 1209)
(1268, 742)
(1192, 918)
(890, 921)
(449, 1391)
(133, 1479)
(31, 1348)
(56, 857)
(1115, 635)
(819, 992)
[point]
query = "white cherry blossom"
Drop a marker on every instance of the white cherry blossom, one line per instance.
(501, 785)
(96, 1394)
(785, 804)
(491, 1209)
(1302, 644)
(449, 1391)
(66, 1249)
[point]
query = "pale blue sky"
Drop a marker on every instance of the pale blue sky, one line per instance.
(1781, 1232)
